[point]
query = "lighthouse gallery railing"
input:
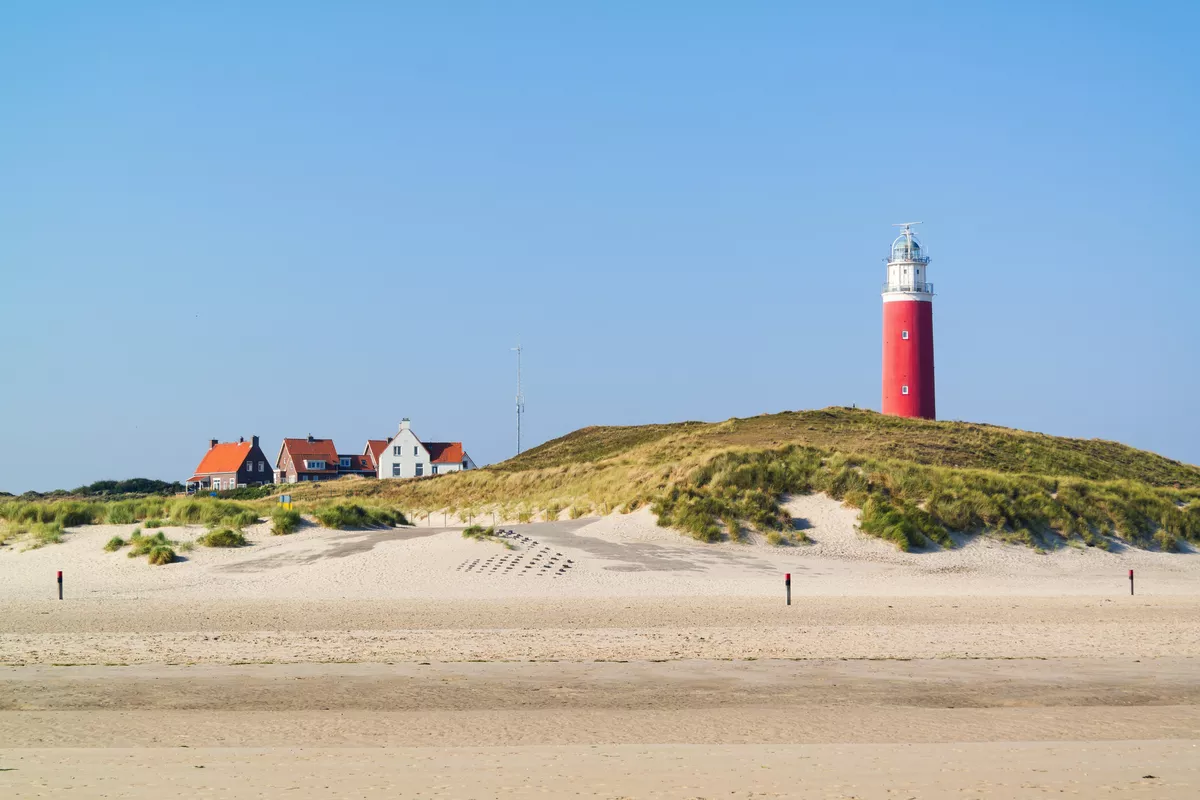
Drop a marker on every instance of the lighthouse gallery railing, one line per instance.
(908, 287)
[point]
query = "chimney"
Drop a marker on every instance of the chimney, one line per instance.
(212, 443)
(310, 439)
(404, 424)
(254, 441)
(241, 440)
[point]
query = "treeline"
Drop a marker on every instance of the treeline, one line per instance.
(109, 489)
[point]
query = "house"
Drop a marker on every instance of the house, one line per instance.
(373, 450)
(312, 459)
(406, 456)
(228, 465)
(356, 465)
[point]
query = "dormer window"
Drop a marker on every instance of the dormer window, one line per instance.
(313, 464)
(344, 461)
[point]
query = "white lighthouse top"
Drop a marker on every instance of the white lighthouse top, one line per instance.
(907, 267)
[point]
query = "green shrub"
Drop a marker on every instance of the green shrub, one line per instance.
(775, 538)
(247, 493)
(223, 538)
(161, 554)
(114, 544)
(153, 523)
(284, 521)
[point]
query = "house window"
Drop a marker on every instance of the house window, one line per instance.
(262, 466)
(464, 463)
(904, 389)
(414, 450)
(904, 335)
(344, 461)
(217, 484)
(396, 450)
(420, 469)
(433, 470)
(314, 465)
(396, 470)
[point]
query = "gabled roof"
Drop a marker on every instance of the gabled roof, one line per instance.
(374, 450)
(301, 449)
(224, 457)
(444, 452)
(362, 463)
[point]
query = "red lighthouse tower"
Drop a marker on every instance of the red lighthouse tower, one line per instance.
(908, 330)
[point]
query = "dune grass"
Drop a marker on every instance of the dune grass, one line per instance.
(223, 537)
(161, 554)
(42, 534)
(488, 534)
(344, 516)
(284, 521)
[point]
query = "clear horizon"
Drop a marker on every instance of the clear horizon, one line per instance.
(276, 221)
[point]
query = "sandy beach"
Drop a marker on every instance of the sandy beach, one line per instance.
(598, 658)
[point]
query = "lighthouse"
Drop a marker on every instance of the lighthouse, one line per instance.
(908, 329)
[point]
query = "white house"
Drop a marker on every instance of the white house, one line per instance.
(406, 456)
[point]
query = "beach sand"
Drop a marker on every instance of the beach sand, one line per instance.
(610, 659)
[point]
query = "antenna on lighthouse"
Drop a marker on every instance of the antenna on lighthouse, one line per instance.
(520, 396)
(906, 226)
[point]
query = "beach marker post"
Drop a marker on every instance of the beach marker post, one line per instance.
(1130, 582)
(60, 584)
(787, 582)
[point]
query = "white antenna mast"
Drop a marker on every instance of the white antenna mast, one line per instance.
(520, 397)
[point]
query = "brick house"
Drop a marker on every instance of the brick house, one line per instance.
(311, 459)
(228, 465)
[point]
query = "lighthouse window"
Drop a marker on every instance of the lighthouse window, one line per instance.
(903, 334)
(904, 389)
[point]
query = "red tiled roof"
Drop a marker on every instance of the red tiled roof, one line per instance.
(374, 450)
(444, 452)
(301, 449)
(224, 457)
(361, 463)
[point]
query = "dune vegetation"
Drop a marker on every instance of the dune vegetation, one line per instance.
(917, 483)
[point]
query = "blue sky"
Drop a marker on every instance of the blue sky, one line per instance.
(300, 217)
